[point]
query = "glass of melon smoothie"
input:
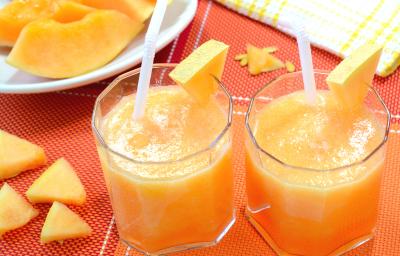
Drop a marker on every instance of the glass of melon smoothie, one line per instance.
(169, 174)
(313, 172)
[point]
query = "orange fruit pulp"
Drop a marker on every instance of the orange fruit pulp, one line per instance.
(304, 212)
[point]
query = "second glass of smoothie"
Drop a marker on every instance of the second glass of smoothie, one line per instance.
(313, 170)
(169, 174)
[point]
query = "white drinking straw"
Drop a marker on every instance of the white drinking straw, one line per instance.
(303, 44)
(148, 58)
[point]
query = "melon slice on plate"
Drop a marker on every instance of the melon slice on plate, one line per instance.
(53, 49)
(196, 73)
(62, 223)
(349, 81)
(18, 155)
(259, 60)
(139, 10)
(58, 183)
(18, 13)
(69, 11)
(15, 211)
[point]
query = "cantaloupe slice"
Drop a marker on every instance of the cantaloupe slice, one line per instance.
(18, 155)
(69, 11)
(195, 73)
(58, 183)
(53, 49)
(349, 81)
(62, 223)
(139, 10)
(16, 14)
(15, 211)
(259, 60)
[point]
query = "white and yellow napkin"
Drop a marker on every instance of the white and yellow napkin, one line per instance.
(338, 26)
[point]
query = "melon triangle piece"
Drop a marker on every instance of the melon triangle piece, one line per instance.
(58, 183)
(18, 155)
(349, 81)
(62, 223)
(196, 72)
(15, 211)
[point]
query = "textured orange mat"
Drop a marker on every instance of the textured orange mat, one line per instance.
(60, 122)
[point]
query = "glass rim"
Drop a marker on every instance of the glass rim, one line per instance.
(356, 163)
(136, 71)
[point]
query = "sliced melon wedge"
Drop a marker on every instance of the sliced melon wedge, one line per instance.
(139, 10)
(349, 81)
(18, 13)
(53, 49)
(195, 73)
(18, 155)
(15, 211)
(58, 183)
(62, 223)
(69, 11)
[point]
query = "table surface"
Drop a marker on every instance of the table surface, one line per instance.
(60, 122)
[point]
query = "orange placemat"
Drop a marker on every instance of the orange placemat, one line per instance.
(61, 123)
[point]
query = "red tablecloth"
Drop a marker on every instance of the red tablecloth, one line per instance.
(60, 122)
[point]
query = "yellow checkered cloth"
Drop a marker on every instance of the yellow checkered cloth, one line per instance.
(338, 26)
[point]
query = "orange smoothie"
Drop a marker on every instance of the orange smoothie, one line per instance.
(302, 211)
(177, 190)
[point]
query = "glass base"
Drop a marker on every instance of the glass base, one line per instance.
(339, 251)
(184, 247)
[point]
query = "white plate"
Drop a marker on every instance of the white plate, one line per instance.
(179, 14)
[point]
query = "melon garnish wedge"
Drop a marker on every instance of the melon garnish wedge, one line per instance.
(18, 155)
(15, 211)
(58, 183)
(349, 81)
(259, 60)
(62, 223)
(196, 73)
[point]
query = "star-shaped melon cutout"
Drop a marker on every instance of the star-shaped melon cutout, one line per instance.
(259, 60)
